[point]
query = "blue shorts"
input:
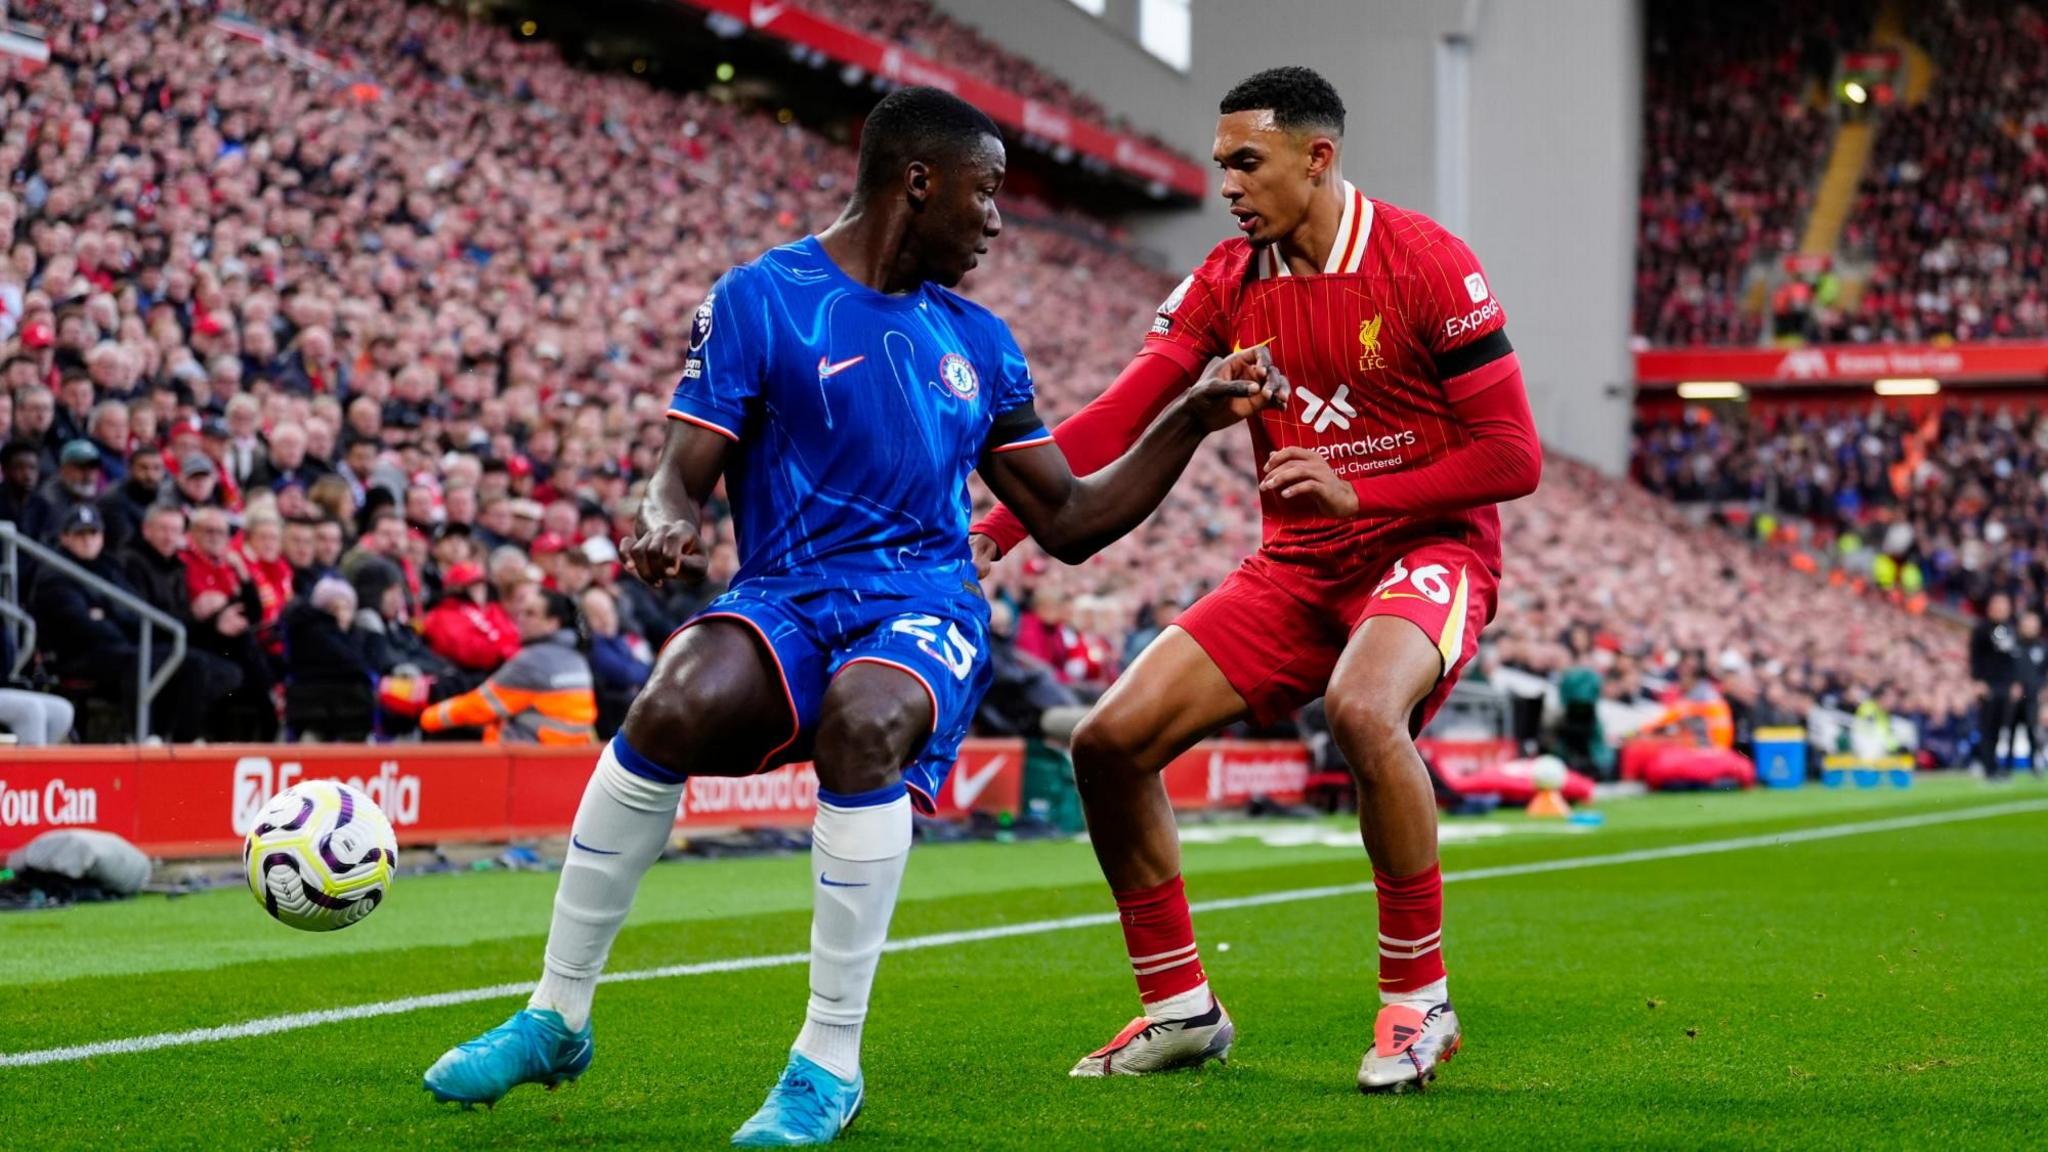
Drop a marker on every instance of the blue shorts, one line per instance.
(938, 634)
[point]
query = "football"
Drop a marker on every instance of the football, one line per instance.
(320, 856)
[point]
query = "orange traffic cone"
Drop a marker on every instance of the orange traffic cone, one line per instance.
(1549, 804)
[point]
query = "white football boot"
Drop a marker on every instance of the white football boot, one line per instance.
(1409, 1041)
(1147, 1045)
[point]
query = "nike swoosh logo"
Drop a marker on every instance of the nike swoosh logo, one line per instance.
(967, 787)
(578, 842)
(829, 882)
(827, 368)
(762, 15)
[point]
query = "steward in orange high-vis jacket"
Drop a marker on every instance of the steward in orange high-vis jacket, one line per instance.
(543, 695)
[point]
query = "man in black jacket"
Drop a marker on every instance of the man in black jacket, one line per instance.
(35, 420)
(285, 461)
(2030, 664)
(125, 504)
(301, 549)
(1994, 651)
(20, 502)
(77, 480)
(153, 567)
(88, 635)
(331, 685)
(93, 638)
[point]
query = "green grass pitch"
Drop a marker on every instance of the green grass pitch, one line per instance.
(1876, 990)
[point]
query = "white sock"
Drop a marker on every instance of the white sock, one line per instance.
(1181, 1005)
(857, 858)
(621, 827)
(1427, 996)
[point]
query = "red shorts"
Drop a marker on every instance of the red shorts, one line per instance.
(1276, 631)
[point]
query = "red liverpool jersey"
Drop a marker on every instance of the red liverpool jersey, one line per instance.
(1400, 308)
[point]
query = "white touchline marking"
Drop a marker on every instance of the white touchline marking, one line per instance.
(270, 1025)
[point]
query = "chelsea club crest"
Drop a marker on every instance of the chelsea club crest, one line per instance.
(959, 376)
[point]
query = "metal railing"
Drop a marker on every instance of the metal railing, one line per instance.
(23, 629)
(147, 686)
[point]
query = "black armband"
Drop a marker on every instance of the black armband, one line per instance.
(1012, 425)
(1477, 354)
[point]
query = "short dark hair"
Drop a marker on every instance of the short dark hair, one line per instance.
(15, 448)
(918, 124)
(1298, 97)
(560, 609)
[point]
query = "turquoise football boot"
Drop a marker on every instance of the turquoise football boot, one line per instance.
(533, 1047)
(807, 1106)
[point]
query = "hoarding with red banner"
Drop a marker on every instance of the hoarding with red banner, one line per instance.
(66, 788)
(1456, 759)
(546, 784)
(187, 801)
(1134, 157)
(1844, 364)
(1228, 773)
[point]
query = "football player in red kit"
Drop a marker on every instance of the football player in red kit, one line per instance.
(1378, 568)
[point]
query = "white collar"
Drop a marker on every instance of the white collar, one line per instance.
(1347, 252)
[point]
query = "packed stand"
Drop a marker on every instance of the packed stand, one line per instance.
(1732, 142)
(1954, 207)
(346, 363)
(1607, 574)
(935, 35)
(1600, 574)
(1951, 504)
(358, 371)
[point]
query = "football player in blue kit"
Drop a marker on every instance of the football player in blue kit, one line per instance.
(843, 392)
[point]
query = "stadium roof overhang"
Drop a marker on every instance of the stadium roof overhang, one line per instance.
(1165, 174)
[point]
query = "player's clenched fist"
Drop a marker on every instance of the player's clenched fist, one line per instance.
(1243, 384)
(1300, 473)
(663, 551)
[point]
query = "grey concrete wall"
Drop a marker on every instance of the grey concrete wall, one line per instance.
(1551, 148)
(1556, 136)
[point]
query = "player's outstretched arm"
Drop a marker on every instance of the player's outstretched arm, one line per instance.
(667, 541)
(1102, 430)
(1073, 518)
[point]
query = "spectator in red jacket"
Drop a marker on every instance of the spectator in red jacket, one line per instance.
(1046, 631)
(228, 605)
(466, 628)
(262, 553)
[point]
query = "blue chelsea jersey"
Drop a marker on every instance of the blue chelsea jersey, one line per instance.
(857, 417)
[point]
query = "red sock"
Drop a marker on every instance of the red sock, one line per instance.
(1160, 937)
(1411, 929)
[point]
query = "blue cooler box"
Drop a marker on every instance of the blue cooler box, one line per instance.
(1781, 757)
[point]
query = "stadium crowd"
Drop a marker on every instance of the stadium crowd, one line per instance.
(1952, 504)
(1952, 211)
(1733, 136)
(1954, 207)
(403, 315)
(352, 364)
(1612, 575)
